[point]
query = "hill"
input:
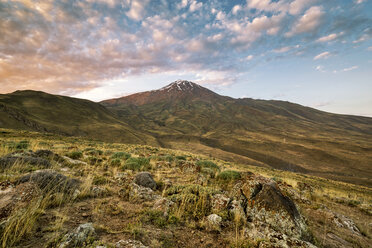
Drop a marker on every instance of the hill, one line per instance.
(274, 134)
(70, 192)
(35, 110)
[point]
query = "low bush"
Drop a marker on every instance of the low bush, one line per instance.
(208, 164)
(115, 162)
(137, 164)
(181, 157)
(121, 155)
(99, 180)
(229, 175)
(75, 155)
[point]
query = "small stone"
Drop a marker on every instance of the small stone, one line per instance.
(129, 244)
(214, 220)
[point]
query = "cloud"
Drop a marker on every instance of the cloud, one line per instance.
(195, 5)
(369, 48)
(309, 22)
(320, 68)
(329, 37)
(236, 9)
(351, 68)
(137, 9)
(285, 49)
(296, 7)
(323, 55)
(359, 1)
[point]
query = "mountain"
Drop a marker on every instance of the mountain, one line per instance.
(35, 110)
(276, 134)
(186, 116)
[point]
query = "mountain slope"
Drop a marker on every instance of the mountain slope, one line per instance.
(34, 110)
(277, 134)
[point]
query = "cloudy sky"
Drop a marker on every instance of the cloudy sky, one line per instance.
(314, 52)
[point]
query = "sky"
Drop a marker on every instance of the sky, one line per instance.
(317, 53)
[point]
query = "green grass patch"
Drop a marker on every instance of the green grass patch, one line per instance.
(137, 164)
(75, 155)
(229, 175)
(121, 155)
(208, 164)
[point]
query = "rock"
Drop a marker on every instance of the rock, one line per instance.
(236, 209)
(280, 240)
(10, 160)
(145, 179)
(16, 197)
(265, 204)
(345, 222)
(73, 162)
(51, 180)
(82, 234)
(129, 244)
(164, 205)
(98, 191)
(220, 202)
(214, 220)
(140, 193)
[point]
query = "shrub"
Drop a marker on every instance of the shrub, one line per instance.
(99, 180)
(192, 200)
(181, 157)
(115, 162)
(208, 164)
(137, 164)
(229, 175)
(75, 155)
(94, 160)
(121, 155)
(24, 144)
(94, 152)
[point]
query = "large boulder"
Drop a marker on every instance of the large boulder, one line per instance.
(50, 180)
(26, 160)
(145, 179)
(264, 204)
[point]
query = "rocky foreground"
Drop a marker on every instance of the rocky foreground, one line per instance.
(146, 197)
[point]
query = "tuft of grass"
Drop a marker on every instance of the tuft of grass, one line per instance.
(229, 175)
(191, 200)
(137, 164)
(75, 155)
(100, 180)
(121, 155)
(208, 164)
(115, 162)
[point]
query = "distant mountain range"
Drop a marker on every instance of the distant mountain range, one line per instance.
(187, 116)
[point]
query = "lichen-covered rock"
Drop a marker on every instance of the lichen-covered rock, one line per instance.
(214, 220)
(140, 193)
(264, 203)
(279, 240)
(164, 205)
(73, 162)
(345, 222)
(145, 179)
(83, 234)
(220, 202)
(99, 191)
(129, 244)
